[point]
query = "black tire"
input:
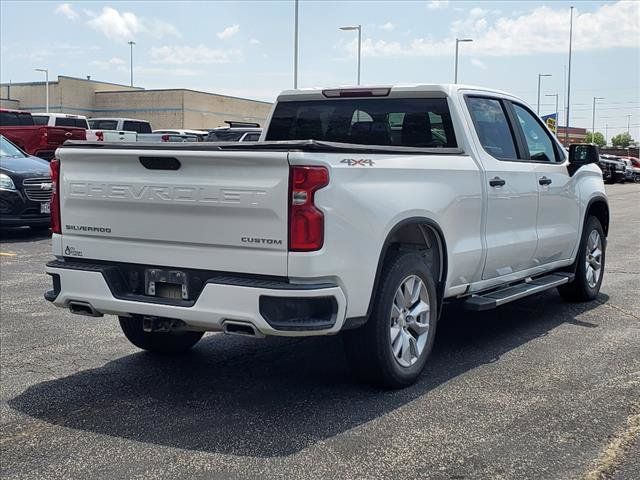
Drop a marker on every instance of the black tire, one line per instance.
(368, 348)
(158, 342)
(580, 290)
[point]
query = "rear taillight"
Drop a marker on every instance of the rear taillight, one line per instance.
(56, 226)
(306, 221)
(99, 136)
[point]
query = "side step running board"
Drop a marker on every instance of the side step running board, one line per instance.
(495, 298)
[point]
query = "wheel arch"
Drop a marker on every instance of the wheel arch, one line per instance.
(599, 208)
(419, 233)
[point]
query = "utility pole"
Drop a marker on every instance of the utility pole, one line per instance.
(458, 40)
(628, 122)
(540, 75)
(295, 47)
(606, 134)
(131, 44)
(46, 86)
(566, 131)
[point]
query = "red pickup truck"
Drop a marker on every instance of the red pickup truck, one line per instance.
(37, 140)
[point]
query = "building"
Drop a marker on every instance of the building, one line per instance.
(164, 108)
(576, 135)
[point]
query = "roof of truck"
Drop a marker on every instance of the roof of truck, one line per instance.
(408, 89)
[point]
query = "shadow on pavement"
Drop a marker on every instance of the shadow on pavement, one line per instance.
(277, 396)
(23, 234)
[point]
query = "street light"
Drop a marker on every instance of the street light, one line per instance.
(359, 29)
(131, 44)
(593, 119)
(555, 95)
(458, 40)
(295, 47)
(628, 121)
(540, 75)
(46, 82)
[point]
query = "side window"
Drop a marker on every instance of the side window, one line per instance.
(539, 143)
(251, 137)
(492, 127)
(65, 122)
(40, 120)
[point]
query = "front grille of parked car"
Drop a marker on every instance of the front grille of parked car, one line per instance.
(37, 189)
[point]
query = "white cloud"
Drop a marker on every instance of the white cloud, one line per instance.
(184, 55)
(67, 10)
(478, 63)
(541, 30)
(113, 63)
(254, 41)
(436, 4)
(387, 26)
(228, 32)
(118, 25)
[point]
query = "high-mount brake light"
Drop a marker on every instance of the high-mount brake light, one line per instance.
(306, 221)
(56, 224)
(356, 92)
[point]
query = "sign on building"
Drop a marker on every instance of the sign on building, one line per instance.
(551, 121)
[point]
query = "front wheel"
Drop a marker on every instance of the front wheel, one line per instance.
(158, 342)
(590, 264)
(392, 348)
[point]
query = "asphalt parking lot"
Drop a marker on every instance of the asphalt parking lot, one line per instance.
(539, 389)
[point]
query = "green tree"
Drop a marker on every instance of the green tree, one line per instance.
(596, 138)
(622, 140)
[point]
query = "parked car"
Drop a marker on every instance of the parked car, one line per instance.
(632, 173)
(199, 134)
(613, 169)
(122, 130)
(39, 140)
(25, 188)
(364, 211)
(235, 132)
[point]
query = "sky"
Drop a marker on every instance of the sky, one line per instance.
(245, 48)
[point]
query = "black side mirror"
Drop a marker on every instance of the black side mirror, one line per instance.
(583, 154)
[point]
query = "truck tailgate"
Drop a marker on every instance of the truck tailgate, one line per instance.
(211, 210)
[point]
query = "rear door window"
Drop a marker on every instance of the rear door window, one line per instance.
(493, 129)
(65, 122)
(133, 126)
(40, 120)
(103, 124)
(410, 122)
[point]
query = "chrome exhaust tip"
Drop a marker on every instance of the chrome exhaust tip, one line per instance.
(83, 308)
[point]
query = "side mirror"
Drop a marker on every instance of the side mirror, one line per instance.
(583, 154)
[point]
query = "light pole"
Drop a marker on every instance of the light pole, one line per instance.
(458, 40)
(566, 131)
(131, 44)
(555, 95)
(628, 121)
(593, 119)
(46, 83)
(295, 48)
(359, 29)
(606, 133)
(540, 75)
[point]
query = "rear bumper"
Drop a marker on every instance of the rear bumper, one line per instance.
(232, 301)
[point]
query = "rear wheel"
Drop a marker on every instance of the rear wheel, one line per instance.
(590, 264)
(392, 348)
(173, 342)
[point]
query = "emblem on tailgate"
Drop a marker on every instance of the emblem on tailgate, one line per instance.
(88, 228)
(267, 241)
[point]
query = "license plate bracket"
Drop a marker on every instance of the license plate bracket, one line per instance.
(172, 284)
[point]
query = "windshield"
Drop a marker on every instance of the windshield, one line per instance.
(410, 122)
(8, 149)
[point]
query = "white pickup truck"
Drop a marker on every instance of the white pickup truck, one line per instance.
(361, 210)
(122, 130)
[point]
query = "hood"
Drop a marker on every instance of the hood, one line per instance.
(32, 165)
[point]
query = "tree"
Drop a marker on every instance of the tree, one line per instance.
(622, 140)
(596, 138)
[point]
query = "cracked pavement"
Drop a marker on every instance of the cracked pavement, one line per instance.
(538, 389)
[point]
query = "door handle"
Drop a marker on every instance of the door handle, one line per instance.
(544, 181)
(497, 182)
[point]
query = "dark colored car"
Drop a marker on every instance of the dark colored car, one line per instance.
(613, 169)
(25, 188)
